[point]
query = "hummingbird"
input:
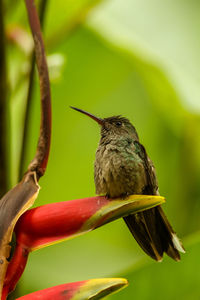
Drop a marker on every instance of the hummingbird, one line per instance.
(122, 168)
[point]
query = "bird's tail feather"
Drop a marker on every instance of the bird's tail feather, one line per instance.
(154, 234)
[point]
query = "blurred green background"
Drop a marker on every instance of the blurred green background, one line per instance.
(139, 59)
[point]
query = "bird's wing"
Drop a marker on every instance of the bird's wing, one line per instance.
(151, 228)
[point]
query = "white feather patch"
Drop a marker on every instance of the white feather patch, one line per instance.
(177, 243)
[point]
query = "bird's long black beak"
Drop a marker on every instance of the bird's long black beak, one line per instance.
(98, 120)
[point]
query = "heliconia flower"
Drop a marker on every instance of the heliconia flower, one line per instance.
(14, 203)
(82, 290)
(51, 223)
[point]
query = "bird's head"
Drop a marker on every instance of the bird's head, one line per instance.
(116, 126)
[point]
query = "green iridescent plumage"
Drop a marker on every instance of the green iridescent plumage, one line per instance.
(123, 168)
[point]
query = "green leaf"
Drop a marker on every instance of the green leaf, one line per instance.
(166, 280)
(164, 31)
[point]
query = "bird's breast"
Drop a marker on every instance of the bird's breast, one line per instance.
(119, 171)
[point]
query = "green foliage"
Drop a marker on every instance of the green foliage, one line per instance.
(107, 76)
(153, 281)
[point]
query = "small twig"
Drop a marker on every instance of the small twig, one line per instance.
(3, 111)
(24, 145)
(39, 163)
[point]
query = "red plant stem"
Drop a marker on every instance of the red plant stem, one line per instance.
(36, 168)
(15, 269)
(39, 163)
(42, 10)
(4, 294)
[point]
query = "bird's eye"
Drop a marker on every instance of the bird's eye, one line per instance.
(118, 124)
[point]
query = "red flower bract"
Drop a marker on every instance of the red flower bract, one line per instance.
(88, 289)
(54, 222)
